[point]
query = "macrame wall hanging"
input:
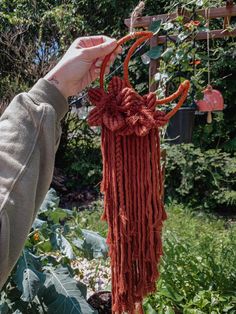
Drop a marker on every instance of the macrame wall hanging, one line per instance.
(132, 181)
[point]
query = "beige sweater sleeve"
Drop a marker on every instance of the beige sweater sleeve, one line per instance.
(29, 135)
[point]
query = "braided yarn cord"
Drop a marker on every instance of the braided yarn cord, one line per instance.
(132, 187)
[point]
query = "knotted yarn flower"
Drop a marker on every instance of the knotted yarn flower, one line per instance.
(107, 109)
(121, 109)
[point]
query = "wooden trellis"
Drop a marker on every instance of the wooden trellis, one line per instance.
(224, 13)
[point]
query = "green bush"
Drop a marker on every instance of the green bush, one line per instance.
(197, 274)
(197, 271)
(206, 179)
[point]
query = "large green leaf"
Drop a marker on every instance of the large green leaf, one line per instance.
(51, 200)
(59, 242)
(38, 223)
(170, 293)
(57, 215)
(63, 294)
(155, 26)
(28, 277)
(150, 310)
(4, 309)
(94, 246)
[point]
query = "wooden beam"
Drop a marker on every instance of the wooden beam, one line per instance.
(214, 34)
(145, 21)
(153, 66)
(213, 13)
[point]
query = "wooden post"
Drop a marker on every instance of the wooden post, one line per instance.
(153, 66)
(214, 13)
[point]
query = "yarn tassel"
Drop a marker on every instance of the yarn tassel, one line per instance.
(133, 188)
(131, 174)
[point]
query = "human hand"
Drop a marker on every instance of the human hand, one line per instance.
(81, 64)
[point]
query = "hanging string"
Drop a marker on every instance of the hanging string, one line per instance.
(207, 13)
(137, 12)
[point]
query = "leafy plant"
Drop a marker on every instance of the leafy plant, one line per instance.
(204, 179)
(182, 56)
(179, 57)
(197, 269)
(43, 279)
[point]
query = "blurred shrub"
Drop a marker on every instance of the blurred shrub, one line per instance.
(198, 266)
(206, 180)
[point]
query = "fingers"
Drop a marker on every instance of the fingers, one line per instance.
(90, 41)
(96, 47)
(98, 70)
(98, 62)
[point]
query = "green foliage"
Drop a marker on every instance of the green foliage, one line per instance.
(79, 154)
(197, 269)
(94, 246)
(184, 57)
(42, 281)
(205, 179)
(90, 219)
(180, 58)
(34, 34)
(221, 133)
(62, 293)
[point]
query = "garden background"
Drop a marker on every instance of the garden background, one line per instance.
(198, 268)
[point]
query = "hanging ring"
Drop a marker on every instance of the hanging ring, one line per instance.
(143, 34)
(182, 91)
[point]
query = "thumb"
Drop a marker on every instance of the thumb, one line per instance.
(101, 50)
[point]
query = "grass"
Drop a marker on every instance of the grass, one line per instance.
(198, 267)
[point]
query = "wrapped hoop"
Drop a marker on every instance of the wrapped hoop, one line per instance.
(182, 90)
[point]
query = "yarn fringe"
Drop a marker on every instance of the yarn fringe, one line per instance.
(132, 186)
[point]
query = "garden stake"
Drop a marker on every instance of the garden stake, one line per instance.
(132, 181)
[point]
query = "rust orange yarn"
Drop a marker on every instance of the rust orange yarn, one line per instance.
(132, 185)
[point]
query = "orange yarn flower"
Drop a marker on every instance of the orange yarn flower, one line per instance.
(123, 110)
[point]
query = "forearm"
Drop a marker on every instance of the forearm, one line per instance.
(29, 134)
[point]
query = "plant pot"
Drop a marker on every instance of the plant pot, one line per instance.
(101, 301)
(180, 127)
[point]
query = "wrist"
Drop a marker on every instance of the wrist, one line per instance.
(55, 80)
